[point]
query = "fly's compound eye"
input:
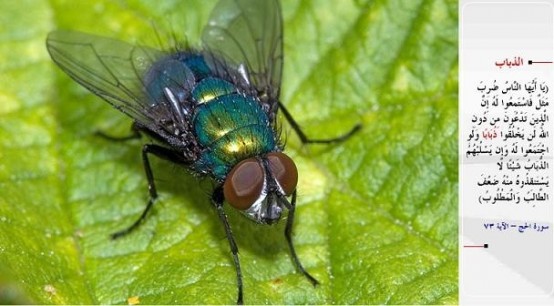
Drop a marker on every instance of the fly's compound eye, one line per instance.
(284, 171)
(244, 184)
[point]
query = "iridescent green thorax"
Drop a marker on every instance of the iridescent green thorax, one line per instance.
(229, 125)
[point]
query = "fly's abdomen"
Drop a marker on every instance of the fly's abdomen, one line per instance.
(230, 126)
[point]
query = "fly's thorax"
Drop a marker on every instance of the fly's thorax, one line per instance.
(202, 102)
(210, 88)
(258, 186)
(230, 126)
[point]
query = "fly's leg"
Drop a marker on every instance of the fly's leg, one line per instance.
(288, 235)
(306, 140)
(217, 201)
(135, 134)
(163, 153)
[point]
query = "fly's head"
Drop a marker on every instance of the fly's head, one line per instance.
(259, 186)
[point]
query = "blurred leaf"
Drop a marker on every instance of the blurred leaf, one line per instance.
(377, 216)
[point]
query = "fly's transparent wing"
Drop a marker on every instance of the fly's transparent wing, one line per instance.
(111, 69)
(250, 33)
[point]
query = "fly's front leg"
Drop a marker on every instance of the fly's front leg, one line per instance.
(306, 140)
(217, 201)
(163, 153)
(288, 236)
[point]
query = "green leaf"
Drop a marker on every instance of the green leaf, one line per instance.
(377, 215)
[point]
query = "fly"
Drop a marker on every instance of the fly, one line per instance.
(212, 110)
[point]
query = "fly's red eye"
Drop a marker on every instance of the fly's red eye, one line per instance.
(284, 171)
(244, 184)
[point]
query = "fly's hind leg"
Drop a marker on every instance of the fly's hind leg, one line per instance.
(306, 140)
(163, 153)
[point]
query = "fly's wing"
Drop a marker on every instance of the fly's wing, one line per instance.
(111, 69)
(249, 34)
